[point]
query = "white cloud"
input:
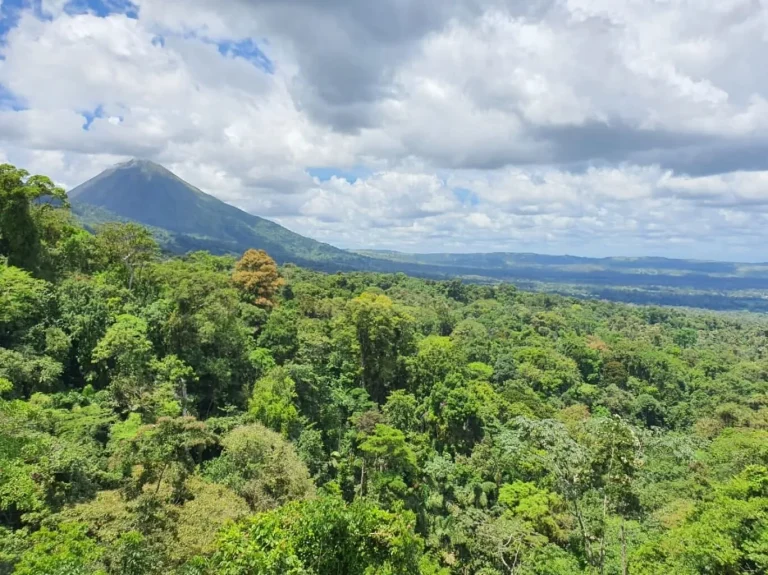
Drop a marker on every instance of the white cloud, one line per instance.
(542, 209)
(590, 126)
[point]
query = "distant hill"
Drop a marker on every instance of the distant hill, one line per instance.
(643, 280)
(511, 262)
(185, 218)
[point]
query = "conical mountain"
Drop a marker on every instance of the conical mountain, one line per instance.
(189, 219)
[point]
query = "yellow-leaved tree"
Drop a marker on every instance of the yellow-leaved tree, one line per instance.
(256, 275)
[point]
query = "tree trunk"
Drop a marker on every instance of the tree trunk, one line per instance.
(585, 538)
(602, 538)
(624, 568)
(362, 479)
(184, 410)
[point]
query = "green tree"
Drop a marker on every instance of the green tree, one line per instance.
(389, 464)
(725, 535)
(402, 411)
(323, 535)
(125, 355)
(436, 358)
(199, 318)
(686, 337)
(273, 402)
(471, 337)
(383, 334)
(172, 378)
(546, 370)
(131, 555)
(534, 505)
(67, 550)
(129, 247)
(261, 466)
(280, 334)
(24, 301)
(166, 451)
(22, 198)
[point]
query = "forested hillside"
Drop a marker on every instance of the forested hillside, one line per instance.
(207, 414)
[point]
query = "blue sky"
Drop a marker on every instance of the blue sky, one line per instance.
(557, 126)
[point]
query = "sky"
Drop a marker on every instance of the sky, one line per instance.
(587, 127)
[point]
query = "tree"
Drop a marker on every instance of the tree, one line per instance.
(389, 464)
(128, 246)
(402, 411)
(41, 472)
(143, 539)
(507, 541)
(686, 337)
(587, 357)
(457, 409)
(471, 337)
(601, 466)
(23, 303)
(172, 377)
(199, 318)
(273, 401)
(125, 346)
(532, 504)
(546, 370)
(21, 196)
(257, 277)
(280, 334)
(436, 358)
(212, 507)
(166, 451)
(261, 466)
(131, 555)
(383, 334)
(67, 550)
(85, 307)
(323, 535)
(504, 369)
(29, 373)
(726, 535)
(125, 354)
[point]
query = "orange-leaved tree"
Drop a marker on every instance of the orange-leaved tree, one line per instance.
(256, 276)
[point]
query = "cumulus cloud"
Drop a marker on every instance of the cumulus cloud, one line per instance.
(630, 210)
(600, 127)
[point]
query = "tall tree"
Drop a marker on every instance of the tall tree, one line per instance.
(383, 336)
(128, 246)
(20, 196)
(125, 355)
(257, 277)
(273, 401)
(166, 451)
(23, 302)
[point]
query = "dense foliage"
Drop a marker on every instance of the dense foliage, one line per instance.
(201, 415)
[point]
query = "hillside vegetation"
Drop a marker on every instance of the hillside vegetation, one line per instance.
(207, 414)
